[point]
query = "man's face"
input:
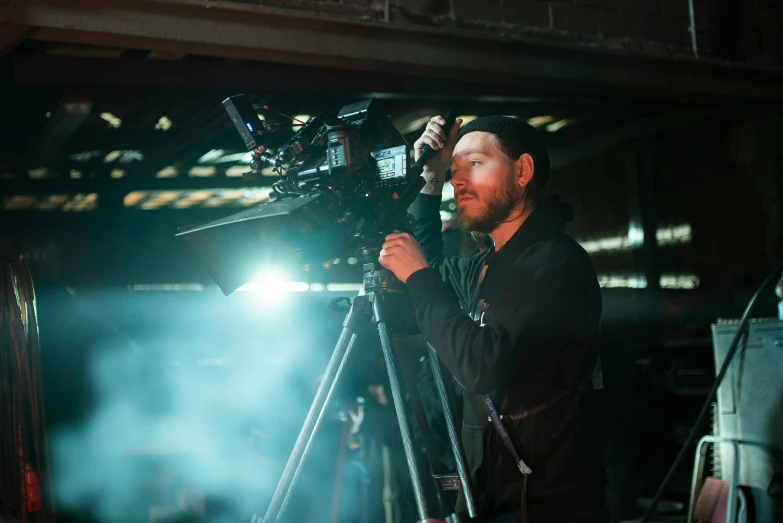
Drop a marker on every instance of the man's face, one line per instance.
(486, 186)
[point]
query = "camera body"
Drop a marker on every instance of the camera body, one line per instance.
(344, 183)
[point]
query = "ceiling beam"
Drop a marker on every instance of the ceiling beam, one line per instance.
(12, 35)
(27, 186)
(287, 36)
(41, 69)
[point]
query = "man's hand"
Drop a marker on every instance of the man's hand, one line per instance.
(402, 255)
(436, 136)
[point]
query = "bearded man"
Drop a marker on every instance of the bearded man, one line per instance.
(516, 324)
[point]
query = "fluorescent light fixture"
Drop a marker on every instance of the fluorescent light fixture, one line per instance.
(113, 121)
(638, 281)
(117, 173)
(556, 126)
(538, 121)
(167, 172)
(131, 155)
(164, 124)
(635, 238)
(679, 281)
(18, 202)
(211, 156)
(614, 243)
(85, 156)
(113, 155)
(245, 158)
(132, 199)
(52, 202)
(202, 172)
(236, 171)
(673, 234)
(296, 125)
(81, 202)
(622, 281)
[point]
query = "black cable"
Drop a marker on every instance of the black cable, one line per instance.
(705, 408)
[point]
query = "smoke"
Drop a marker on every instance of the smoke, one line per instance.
(202, 397)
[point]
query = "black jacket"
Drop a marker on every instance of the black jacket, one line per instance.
(528, 335)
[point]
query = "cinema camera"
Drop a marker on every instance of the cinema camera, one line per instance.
(344, 183)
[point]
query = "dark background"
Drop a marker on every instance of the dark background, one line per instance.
(650, 141)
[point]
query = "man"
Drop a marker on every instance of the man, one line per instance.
(516, 325)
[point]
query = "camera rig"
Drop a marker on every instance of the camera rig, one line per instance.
(344, 183)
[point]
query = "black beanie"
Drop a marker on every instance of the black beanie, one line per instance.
(520, 135)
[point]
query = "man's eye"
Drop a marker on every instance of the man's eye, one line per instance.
(475, 163)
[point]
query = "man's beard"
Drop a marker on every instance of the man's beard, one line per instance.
(497, 208)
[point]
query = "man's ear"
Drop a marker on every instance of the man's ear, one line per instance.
(525, 168)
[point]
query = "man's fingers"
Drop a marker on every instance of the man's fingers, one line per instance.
(390, 250)
(399, 240)
(395, 235)
(401, 243)
(433, 139)
(418, 146)
(437, 128)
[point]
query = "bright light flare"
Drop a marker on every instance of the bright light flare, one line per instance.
(271, 287)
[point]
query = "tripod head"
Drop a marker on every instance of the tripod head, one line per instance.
(391, 301)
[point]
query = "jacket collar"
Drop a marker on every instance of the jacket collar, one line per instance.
(546, 219)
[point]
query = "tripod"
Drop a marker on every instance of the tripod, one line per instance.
(384, 298)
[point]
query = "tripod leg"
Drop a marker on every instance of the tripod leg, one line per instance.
(408, 375)
(456, 446)
(399, 404)
(314, 416)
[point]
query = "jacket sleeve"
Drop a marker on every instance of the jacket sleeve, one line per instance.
(517, 334)
(427, 231)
